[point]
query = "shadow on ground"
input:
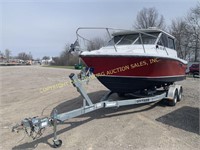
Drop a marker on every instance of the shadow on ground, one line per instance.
(101, 113)
(185, 118)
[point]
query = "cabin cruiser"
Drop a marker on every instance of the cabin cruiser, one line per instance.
(137, 60)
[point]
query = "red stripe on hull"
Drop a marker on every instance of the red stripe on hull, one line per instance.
(135, 66)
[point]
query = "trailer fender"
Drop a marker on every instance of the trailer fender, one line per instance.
(171, 92)
(174, 94)
(172, 89)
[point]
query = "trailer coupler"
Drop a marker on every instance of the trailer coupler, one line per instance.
(34, 127)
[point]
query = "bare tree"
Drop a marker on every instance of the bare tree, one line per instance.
(24, 56)
(187, 32)
(179, 30)
(65, 55)
(7, 54)
(193, 21)
(66, 58)
(95, 44)
(70, 58)
(149, 17)
(46, 58)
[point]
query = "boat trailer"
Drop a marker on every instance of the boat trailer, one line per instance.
(34, 126)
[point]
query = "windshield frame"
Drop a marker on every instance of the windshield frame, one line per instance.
(139, 37)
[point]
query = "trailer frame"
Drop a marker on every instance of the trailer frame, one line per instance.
(36, 124)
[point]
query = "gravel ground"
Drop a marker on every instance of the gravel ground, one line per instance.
(28, 91)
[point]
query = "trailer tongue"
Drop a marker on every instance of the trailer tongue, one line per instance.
(35, 126)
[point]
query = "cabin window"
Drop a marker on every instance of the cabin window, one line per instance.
(160, 43)
(146, 39)
(149, 38)
(171, 43)
(114, 40)
(164, 40)
(128, 39)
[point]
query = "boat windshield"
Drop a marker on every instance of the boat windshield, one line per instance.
(115, 40)
(129, 39)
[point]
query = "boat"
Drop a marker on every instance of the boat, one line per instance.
(137, 60)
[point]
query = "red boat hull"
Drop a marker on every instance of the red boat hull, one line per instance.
(133, 73)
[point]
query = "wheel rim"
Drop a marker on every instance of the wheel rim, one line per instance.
(175, 99)
(180, 94)
(175, 96)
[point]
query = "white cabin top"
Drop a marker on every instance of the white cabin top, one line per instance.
(143, 42)
(149, 30)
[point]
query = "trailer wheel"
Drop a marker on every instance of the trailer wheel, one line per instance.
(57, 143)
(180, 94)
(174, 101)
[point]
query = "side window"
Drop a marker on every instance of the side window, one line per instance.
(114, 40)
(163, 40)
(117, 38)
(128, 39)
(171, 43)
(160, 43)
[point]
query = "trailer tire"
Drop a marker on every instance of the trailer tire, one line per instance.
(174, 100)
(180, 94)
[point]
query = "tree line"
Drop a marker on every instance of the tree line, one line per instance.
(22, 55)
(186, 30)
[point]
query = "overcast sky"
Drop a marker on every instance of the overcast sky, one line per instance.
(44, 27)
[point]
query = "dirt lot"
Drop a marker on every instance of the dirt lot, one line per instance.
(152, 126)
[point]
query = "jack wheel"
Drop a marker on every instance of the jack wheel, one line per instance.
(57, 143)
(174, 101)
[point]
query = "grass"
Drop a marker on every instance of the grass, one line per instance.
(64, 67)
(190, 76)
